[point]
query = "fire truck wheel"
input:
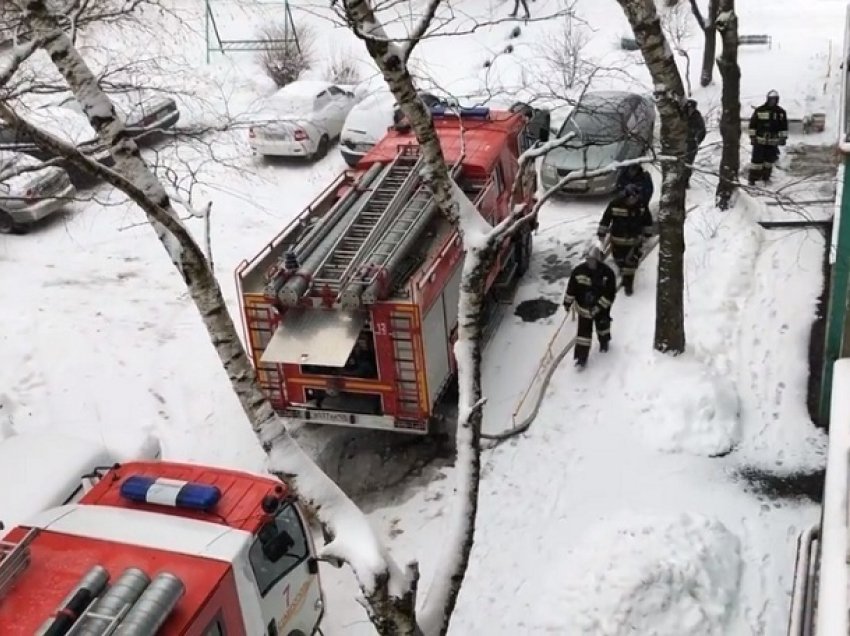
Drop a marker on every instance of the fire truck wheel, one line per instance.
(297, 632)
(322, 147)
(523, 247)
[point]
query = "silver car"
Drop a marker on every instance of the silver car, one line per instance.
(30, 191)
(609, 126)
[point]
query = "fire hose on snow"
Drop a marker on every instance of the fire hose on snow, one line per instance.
(546, 368)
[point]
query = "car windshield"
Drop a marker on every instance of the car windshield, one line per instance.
(580, 153)
(596, 123)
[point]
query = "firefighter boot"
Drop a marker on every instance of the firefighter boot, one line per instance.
(603, 344)
(580, 363)
(753, 175)
(766, 173)
(628, 284)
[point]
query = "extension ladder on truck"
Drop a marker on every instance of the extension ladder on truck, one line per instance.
(14, 559)
(389, 197)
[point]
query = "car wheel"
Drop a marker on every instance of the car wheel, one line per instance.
(322, 148)
(8, 225)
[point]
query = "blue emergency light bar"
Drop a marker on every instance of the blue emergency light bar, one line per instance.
(470, 112)
(170, 492)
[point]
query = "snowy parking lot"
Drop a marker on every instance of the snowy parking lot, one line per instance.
(635, 503)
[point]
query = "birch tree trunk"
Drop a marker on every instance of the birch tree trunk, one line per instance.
(480, 244)
(388, 592)
(709, 48)
(730, 118)
(670, 100)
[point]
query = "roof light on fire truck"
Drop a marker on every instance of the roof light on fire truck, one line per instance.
(170, 492)
(471, 112)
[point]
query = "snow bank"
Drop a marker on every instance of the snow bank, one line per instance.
(660, 575)
(689, 408)
(690, 404)
(720, 271)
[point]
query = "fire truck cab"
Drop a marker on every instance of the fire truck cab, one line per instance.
(164, 549)
(351, 312)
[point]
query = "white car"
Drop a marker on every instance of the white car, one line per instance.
(30, 191)
(301, 120)
(368, 122)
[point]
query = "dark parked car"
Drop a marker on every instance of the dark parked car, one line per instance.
(65, 120)
(609, 126)
(145, 114)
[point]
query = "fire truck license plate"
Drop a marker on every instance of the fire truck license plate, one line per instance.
(321, 416)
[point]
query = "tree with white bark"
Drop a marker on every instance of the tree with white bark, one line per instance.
(388, 590)
(676, 23)
(670, 100)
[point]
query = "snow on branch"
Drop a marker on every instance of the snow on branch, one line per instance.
(18, 55)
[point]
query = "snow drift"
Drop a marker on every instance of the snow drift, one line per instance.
(689, 404)
(659, 575)
(689, 408)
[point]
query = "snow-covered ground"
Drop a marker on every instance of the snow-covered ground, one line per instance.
(622, 510)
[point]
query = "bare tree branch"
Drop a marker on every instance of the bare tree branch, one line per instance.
(421, 29)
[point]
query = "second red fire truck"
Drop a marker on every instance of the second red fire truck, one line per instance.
(351, 312)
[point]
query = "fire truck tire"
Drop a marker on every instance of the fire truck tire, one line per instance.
(297, 632)
(524, 245)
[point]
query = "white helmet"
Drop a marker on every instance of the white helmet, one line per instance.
(773, 95)
(593, 253)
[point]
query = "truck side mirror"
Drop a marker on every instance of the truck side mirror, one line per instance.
(337, 563)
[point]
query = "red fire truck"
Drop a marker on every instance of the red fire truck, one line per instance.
(351, 312)
(164, 549)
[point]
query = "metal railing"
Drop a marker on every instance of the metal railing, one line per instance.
(804, 595)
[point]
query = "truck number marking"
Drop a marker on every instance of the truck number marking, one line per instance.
(295, 606)
(380, 329)
(286, 596)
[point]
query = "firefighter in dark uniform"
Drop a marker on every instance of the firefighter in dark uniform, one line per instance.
(635, 174)
(696, 135)
(591, 290)
(628, 222)
(768, 130)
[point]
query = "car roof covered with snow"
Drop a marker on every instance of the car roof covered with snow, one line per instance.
(127, 101)
(23, 459)
(302, 89)
(373, 115)
(64, 123)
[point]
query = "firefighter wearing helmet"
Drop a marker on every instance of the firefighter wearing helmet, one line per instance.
(628, 223)
(591, 292)
(768, 130)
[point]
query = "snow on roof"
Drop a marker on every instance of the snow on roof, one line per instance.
(22, 462)
(59, 559)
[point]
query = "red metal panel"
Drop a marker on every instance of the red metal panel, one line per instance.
(59, 561)
(429, 284)
(223, 605)
(241, 493)
(382, 332)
